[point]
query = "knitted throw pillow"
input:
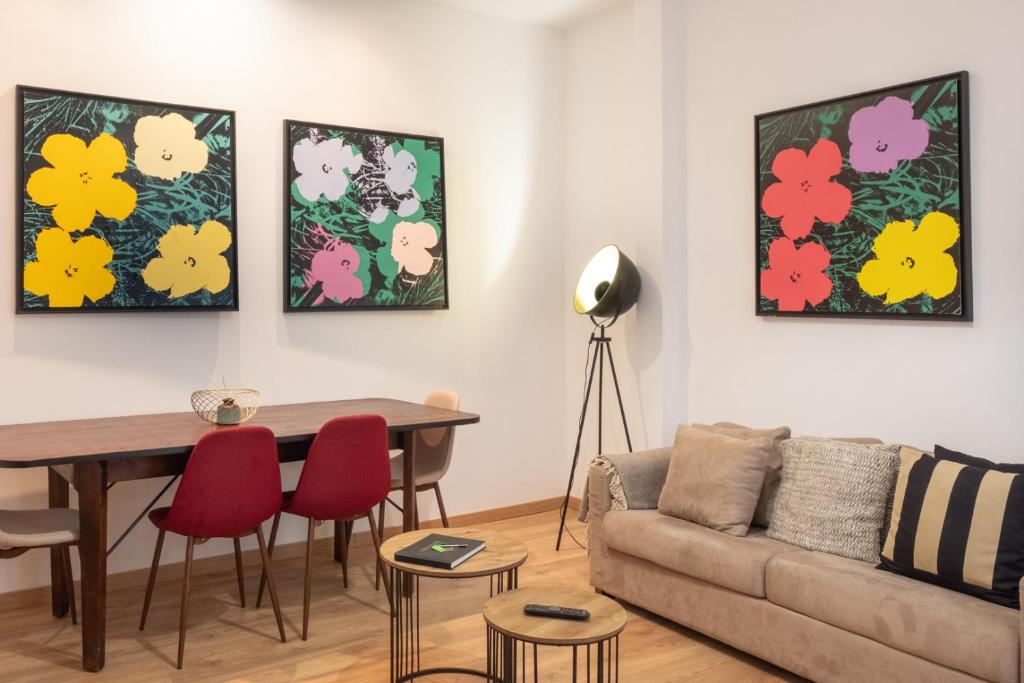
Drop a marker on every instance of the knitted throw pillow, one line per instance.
(833, 496)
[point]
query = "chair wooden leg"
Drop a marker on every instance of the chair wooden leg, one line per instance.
(270, 552)
(440, 504)
(69, 581)
(265, 556)
(380, 561)
(310, 533)
(152, 579)
(186, 592)
(342, 546)
(380, 534)
(238, 570)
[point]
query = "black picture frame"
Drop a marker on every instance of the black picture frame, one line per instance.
(289, 177)
(21, 91)
(964, 204)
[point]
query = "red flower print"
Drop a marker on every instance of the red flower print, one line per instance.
(796, 275)
(806, 190)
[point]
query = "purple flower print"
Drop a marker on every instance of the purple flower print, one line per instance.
(884, 135)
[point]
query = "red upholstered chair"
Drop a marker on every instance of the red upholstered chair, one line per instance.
(232, 484)
(346, 474)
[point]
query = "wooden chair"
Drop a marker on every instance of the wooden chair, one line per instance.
(433, 458)
(231, 485)
(24, 530)
(345, 475)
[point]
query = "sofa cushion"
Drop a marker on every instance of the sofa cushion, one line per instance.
(773, 468)
(834, 496)
(732, 562)
(943, 453)
(715, 480)
(949, 628)
(958, 526)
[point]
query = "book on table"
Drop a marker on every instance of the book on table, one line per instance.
(438, 550)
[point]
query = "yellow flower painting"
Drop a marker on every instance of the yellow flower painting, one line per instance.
(167, 147)
(190, 261)
(144, 194)
(79, 182)
(68, 272)
(912, 261)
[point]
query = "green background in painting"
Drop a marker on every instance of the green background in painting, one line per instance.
(383, 285)
(191, 199)
(915, 187)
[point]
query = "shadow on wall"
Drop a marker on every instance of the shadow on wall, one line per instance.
(645, 327)
(644, 330)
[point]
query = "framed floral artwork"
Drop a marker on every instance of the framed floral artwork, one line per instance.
(364, 219)
(862, 205)
(124, 205)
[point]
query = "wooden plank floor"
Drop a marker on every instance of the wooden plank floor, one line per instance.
(348, 639)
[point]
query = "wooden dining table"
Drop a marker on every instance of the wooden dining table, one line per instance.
(94, 454)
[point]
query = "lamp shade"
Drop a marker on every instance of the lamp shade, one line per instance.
(608, 286)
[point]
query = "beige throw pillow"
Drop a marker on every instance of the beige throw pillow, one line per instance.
(714, 480)
(773, 470)
(834, 496)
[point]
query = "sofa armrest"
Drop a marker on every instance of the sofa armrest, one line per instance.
(628, 481)
(1021, 586)
(637, 478)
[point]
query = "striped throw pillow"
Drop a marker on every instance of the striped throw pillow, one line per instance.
(957, 526)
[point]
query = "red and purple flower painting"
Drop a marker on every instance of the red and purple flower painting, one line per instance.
(862, 205)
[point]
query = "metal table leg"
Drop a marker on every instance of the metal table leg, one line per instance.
(405, 664)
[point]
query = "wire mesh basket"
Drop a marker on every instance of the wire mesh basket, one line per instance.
(225, 406)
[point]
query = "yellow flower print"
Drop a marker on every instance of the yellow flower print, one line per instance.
(167, 147)
(912, 261)
(67, 272)
(80, 180)
(190, 260)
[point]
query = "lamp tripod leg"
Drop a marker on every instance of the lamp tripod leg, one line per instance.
(576, 452)
(600, 394)
(618, 395)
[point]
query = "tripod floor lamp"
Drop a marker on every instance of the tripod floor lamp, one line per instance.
(607, 288)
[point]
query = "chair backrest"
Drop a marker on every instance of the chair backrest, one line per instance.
(347, 471)
(434, 446)
(232, 483)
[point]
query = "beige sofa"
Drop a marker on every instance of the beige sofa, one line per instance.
(821, 616)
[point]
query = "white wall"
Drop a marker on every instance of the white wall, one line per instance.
(718, 63)
(491, 88)
(623, 171)
(956, 384)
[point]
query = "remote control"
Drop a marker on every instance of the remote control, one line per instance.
(556, 612)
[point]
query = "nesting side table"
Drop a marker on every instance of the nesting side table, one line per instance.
(499, 560)
(513, 637)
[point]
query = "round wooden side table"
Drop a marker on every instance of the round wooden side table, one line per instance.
(499, 560)
(510, 630)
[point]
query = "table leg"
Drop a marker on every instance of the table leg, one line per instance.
(408, 441)
(59, 496)
(91, 482)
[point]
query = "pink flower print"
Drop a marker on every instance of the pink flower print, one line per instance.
(335, 267)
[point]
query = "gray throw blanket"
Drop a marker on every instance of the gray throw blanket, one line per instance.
(635, 479)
